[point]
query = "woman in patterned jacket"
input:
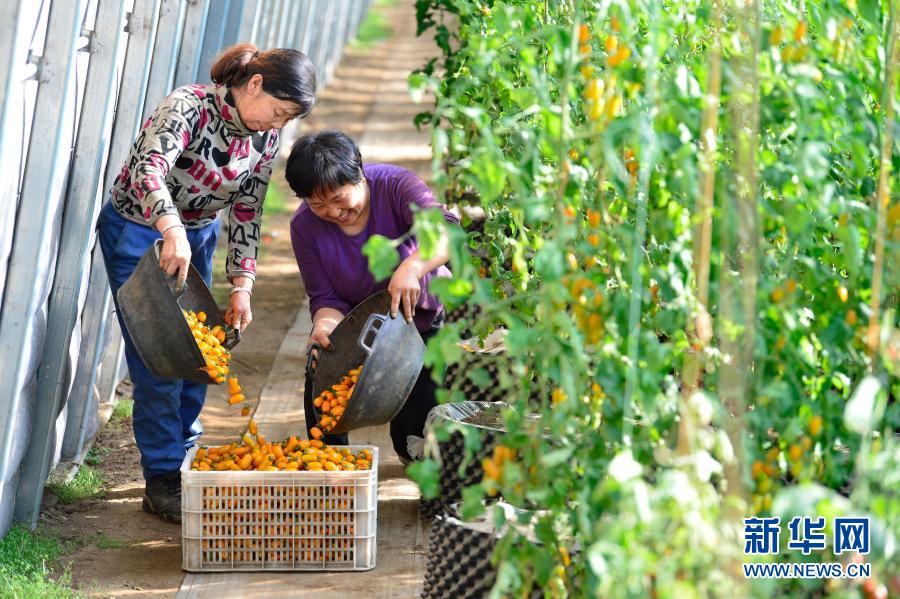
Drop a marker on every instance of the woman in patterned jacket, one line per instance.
(205, 150)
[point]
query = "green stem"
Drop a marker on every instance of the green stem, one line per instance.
(882, 197)
(647, 160)
(738, 291)
(564, 108)
(702, 242)
(883, 194)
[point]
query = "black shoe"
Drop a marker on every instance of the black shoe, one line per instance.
(162, 496)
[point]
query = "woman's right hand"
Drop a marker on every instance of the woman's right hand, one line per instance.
(324, 321)
(175, 257)
(319, 335)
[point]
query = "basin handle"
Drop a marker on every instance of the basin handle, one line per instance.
(232, 336)
(370, 328)
(312, 359)
(171, 281)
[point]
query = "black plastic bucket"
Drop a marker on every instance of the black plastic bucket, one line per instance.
(151, 310)
(392, 353)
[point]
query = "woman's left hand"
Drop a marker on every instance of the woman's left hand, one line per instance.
(238, 314)
(404, 287)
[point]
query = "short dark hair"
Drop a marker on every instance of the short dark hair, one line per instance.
(287, 73)
(323, 161)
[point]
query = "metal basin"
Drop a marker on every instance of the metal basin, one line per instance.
(151, 310)
(392, 353)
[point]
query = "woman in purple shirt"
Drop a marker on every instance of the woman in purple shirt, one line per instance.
(346, 203)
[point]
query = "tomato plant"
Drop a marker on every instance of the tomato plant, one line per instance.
(690, 240)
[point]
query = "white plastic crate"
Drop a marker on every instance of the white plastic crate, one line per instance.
(279, 520)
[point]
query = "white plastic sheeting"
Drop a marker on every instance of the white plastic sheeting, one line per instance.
(47, 48)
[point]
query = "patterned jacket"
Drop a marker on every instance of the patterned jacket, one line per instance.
(193, 158)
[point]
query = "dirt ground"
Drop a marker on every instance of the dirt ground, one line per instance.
(124, 551)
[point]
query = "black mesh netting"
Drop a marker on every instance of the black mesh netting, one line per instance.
(452, 451)
(459, 560)
(451, 483)
(494, 366)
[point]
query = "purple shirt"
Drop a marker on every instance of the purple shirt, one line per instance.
(334, 269)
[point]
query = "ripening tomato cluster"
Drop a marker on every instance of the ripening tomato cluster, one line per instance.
(602, 95)
(797, 460)
(493, 467)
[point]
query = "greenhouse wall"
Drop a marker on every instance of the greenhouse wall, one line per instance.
(77, 77)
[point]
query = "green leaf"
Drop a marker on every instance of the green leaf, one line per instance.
(417, 85)
(549, 261)
(813, 161)
(451, 292)
(490, 178)
(472, 502)
(552, 123)
(480, 377)
(442, 38)
(870, 10)
(443, 396)
(507, 578)
(597, 561)
(460, 288)
(803, 500)
(423, 118)
(444, 347)
(426, 473)
(686, 83)
(860, 413)
(556, 457)
(851, 245)
(439, 141)
(428, 227)
(382, 255)
(543, 530)
(471, 442)
(521, 339)
(538, 495)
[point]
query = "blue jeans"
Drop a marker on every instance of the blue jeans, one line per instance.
(166, 411)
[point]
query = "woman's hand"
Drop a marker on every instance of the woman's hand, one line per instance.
(238, 314)
(319, 335)
(324, 321)
(404, 287)
(175, 257)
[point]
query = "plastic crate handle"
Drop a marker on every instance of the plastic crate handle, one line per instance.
(370, 328)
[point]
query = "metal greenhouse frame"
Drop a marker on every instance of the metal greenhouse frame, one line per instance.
(77, 78)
